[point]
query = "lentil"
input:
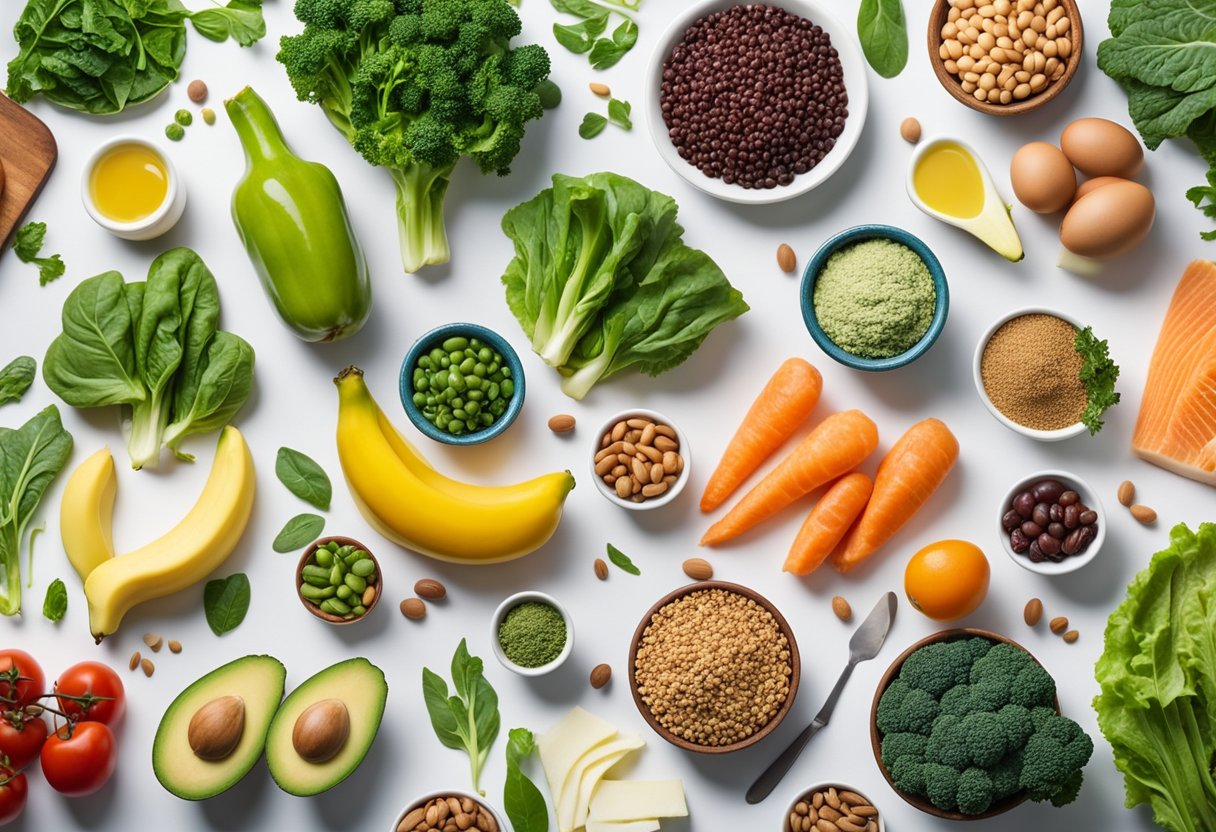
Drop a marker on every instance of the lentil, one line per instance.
(754, 95)
(713, 667)
(1031, 372)
(197, 91)
(532, 634)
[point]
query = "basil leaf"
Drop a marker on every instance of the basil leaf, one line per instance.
(883, 35)
(593, 124)
(225, 602)
(578, 37)
(16, 378)
(298, 533)
(469, 720)
(622, 560)
(303, 477)
(618, 113)
(443, 721)
(240, 20)
(523, 801)
(56, 604)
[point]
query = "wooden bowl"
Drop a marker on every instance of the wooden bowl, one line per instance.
(998, 808)
(937, 19)
(795, 668)
(313, 608)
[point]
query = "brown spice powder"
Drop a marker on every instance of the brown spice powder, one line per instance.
(1031, 371)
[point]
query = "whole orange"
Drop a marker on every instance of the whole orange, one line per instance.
(947, 579)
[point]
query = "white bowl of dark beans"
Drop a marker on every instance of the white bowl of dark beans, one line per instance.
(1051, 522)
(756, 102)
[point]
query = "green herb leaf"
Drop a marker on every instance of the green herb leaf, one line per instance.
(303, 477)
(16, 377)
(298, 533)
(225, 602)
(618, 113)
(593, 124)
(883, 35)
(469, 720)
(523, 801)
(607, 52)
(1098, 374)
(27, 242)
(240, 20)
(56, 604)
(579, 37)
(622, 560)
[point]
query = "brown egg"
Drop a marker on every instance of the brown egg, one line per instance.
(1110, 221)
(1100, 147)
(1091, 185)
(1042, 177)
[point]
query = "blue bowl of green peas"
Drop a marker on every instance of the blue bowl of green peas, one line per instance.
(462, 384)
(338, 580)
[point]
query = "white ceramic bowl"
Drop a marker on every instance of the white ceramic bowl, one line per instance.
(457, 793)
(654, 502)
(823, 787)
(501, 613)
(1088, 496)
(851, 62)
(156, 223)
(1041, 435)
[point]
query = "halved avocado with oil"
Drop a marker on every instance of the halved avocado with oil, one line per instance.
(362, 691)
(258, 681)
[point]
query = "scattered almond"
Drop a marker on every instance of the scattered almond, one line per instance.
(1071, 636)
(909, 130)
(147, 666)
(786, 259)
(430, 589)
(197, 90)
(134, 663)
(175, 646)
(602, 90)
(842, 609)
(1143, 514)
(600, 674)
(1127, 492)
(413, 609)
(153, 641)
(1058, 625)
(561, 423)
(601, 569)
(698, 569)
(1033, 612)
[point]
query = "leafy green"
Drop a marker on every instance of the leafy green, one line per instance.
(299, 532)
(16, 377)
(154, 347)
(584, 37)
(225, 602)
(883, 35)
(55, 606)
(1098, 374)
(521, 798)
(580, 37)
(1157, 672)
(618, 113)
(303, 477)
(601, 280)
(27, 242)
(622, 560)
(30, 457)
(593, 124)
(469, 719)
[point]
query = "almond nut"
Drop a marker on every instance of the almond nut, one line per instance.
(411, 821)
(842, 609)
(153, 641)
(600, 674)
(321, 730)
(1033, 612)
(786, 259)
(216, 728)
(134, 663)
(1059, 624)
(601, 569)
(430, 589)
(698, 569)
(175, 646)
(1071, 636)
(1144, 514)
(147, 666)
(602, 90)
(561, 423)
(1127, 492)
(413, 608)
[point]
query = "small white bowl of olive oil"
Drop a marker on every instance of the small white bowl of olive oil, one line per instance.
(131, 189)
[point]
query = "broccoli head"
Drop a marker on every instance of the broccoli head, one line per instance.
(901, 744)
(948, 743)
(1032, 687)
(1016, 723)
(905, 709)
(1002, 661)
(975, 792)
(941, 786)
(957, 701)
(1053, 759)
(938, 667)
(984, 737)
(908, 775)
(1007, 775)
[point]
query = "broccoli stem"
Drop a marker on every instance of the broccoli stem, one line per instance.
(424, 238)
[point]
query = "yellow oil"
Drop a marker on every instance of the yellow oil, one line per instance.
(129, 183)
(948, 180)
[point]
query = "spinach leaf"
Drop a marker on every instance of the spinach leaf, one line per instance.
(521, 798)
(593, 124)
(303, 477)
(30, 457)
(607, 52)
(27, 242)
(299, 532)
(579, 37)
(16, 377)
(225, 602)
(469, 720)
(240, 20)
(618, 113)
(55, 607)
(883, 35)
(622, 560)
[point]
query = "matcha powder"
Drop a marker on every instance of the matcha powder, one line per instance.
(532, 634)
(875, 299)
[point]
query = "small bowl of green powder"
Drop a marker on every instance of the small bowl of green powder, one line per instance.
(532, 633)
(874, 297)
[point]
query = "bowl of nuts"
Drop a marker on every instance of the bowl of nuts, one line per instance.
(1051, 522)
(338, 580)
(731, 632)
(432, 813)
(838, 805)
(1005, 57)
(640, 460)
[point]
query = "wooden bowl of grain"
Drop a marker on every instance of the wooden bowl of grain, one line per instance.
(739, 600)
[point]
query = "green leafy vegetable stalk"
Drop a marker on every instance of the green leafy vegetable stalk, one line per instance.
(523, 801)
(883, 35)
(1157, 672)
(413, 90)
(55, 606)
(469, 720)
(225, 602)
(16, 377)
(1098, 374)
(27, 243)
(584, 36)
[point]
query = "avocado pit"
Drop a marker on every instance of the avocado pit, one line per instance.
(216, 728)
(321, 730)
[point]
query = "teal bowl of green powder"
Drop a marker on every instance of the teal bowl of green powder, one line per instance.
(532, 633)
(874, 297)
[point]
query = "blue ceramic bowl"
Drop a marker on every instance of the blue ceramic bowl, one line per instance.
(433, 339)
(860, 234)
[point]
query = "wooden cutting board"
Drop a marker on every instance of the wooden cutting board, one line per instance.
(28, 152)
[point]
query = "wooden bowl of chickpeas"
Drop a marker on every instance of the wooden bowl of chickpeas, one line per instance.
(1005, 57)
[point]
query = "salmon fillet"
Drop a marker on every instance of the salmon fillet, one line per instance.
(1176, 428)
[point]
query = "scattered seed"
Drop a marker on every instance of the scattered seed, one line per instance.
(561, 423)
(1059, 624)
(1033, 612)
(600, 674)
(842, 608)
(208, 115)
(134, 663)
(197, 90)
(602, 90)
(786, 259)
(601, 569)
(413, 608)
(698, 569)
(1143, 514)
(1127, 492)
(175, 646)
(147, 666)
(430, 589)
(153, 641)
(1071, 636)
(909, 130)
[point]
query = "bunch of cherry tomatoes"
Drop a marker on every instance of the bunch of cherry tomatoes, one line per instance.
(77, 750)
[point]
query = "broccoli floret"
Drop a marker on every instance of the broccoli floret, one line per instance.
(1002, 661)
(1054, 757)
(938, 667)
(1016, 723)
(901, 744)
(941, 786)
(904, 709)
(1033, 686)
(957, 701)
(908, 775)
(977, 647)
(948, 743)
(974, 791)
(1040, 716)
(1007, 775)
(984, 736)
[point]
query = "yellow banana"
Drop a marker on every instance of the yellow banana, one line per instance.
(414, 505)
(186, 554)
(86, 512)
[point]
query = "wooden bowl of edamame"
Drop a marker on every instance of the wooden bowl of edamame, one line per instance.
(335, 582)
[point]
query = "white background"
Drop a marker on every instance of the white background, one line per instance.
(295, 404)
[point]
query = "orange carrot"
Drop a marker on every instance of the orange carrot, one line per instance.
(907, 476)
(833, 448)
(783, 405)
(828, 522)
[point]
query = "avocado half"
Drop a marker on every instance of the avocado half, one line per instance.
(258, 681)
(358, 684)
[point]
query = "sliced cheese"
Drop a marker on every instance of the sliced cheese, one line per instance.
(625, 800)
(585, 775)
(572, 737)
(627, 826)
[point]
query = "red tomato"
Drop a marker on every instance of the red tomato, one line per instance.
(21, 738)
(29, 688)
(91, 679)
(12, 797)
(79, 759)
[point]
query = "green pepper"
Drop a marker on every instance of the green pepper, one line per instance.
(293, 221)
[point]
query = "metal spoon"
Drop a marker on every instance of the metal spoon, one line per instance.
(864, 645)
